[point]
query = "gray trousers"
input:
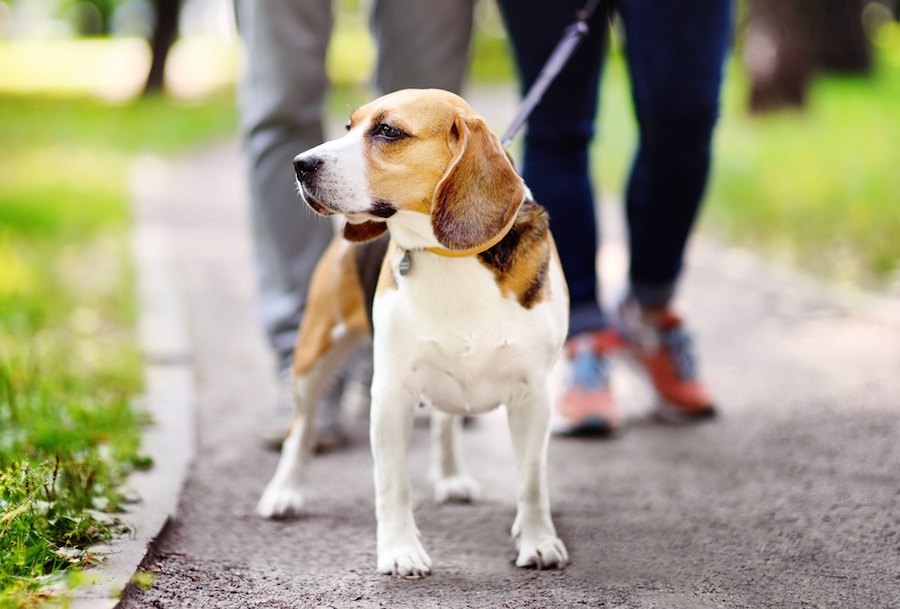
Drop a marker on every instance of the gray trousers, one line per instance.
(421, 43)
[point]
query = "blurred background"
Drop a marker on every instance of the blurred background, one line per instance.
(806, 172)
(807, 148)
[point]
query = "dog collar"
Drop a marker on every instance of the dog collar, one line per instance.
(406, 261)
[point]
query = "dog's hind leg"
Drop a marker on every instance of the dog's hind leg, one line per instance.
(283, 495)
(448, 473)
(533, 529)
(334, 323)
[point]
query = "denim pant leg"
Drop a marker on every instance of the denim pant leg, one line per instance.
(558, 134)
(676, 52)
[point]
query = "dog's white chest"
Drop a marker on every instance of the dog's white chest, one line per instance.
(465, 375)
(450, 336)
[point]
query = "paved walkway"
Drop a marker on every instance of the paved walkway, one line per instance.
(790, 499)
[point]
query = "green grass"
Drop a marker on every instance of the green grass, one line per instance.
(69, 366)
(818, 187)
(64, 455)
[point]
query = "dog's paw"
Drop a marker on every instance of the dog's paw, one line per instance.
(404, 559)
(280, 501)
(456, 489)
(542, 552)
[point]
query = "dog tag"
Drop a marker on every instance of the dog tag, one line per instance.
(405, 264)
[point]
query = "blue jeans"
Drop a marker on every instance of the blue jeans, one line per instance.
(676, 51)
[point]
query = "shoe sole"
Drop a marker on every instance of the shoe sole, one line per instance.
(590, 427)
(668, 412)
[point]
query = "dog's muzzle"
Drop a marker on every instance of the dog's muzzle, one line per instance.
(306, 169)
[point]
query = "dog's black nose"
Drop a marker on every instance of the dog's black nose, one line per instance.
(303, 166)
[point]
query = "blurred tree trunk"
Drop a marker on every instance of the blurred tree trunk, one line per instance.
(788, 41)
(778, 52)
(164, 32)
(842, 45)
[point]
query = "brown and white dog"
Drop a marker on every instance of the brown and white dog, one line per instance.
(469, 312)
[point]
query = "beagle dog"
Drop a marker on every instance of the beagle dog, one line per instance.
(467, 305)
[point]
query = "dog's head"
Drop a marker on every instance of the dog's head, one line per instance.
(422, 161)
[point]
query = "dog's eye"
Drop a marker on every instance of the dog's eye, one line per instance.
(348, 125)
(388, 132)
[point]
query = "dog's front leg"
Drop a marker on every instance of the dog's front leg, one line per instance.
(448, 473)
(283, 495)
(400, 550)
(533, 529)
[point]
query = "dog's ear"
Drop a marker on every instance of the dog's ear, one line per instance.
(480, 193)
(365, 231)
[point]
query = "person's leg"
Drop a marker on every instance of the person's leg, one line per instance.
(676, 52)
(676, 74)
(559, 131)
(280, 105)
(421, 44)
(556, 168)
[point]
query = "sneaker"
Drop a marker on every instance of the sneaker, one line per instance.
(664, 350)
(586, 406)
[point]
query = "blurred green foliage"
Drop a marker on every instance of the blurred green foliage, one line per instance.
(69, 365)
(819, 186)
(156, 124)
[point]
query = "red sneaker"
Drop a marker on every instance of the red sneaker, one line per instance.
(664, 350)
(585, 405)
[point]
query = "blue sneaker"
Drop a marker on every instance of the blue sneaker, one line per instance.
(585, 405)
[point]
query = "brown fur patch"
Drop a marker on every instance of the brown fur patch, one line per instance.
(369, 261)
(365, 231)
(335, 297)
(404, 172)
(520, 262)
(445, 157)
(480, 192)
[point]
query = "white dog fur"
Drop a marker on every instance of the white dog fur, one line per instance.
(452, 330)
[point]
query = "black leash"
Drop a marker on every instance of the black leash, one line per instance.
(572, 36)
